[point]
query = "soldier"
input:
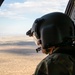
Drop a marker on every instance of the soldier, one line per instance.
(54, 33)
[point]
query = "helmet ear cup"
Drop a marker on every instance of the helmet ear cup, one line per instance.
(50, 35)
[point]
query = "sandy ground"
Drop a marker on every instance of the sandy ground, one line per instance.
(18, 56)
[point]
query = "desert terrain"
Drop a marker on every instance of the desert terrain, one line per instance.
(18, 55)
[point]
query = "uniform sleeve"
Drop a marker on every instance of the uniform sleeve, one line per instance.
(41, 69)
(51, 69)
(54, 65)
(57, 69)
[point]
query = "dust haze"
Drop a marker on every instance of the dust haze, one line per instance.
(18, 55)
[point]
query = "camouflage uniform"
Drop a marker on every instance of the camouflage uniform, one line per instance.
(61, 62)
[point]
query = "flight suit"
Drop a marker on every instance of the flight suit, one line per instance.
(61, 62)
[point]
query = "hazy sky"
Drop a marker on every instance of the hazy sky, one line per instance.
(17, 16)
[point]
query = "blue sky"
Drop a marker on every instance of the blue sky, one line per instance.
(17, 16)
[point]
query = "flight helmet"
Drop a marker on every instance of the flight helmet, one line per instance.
(53, 29)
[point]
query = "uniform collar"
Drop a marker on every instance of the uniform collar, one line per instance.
(70, 50)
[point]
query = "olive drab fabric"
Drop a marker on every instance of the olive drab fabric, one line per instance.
(56, 64)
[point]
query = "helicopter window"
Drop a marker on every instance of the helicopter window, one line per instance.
(17, 51)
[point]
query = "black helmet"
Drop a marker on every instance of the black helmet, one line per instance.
(53, 29)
